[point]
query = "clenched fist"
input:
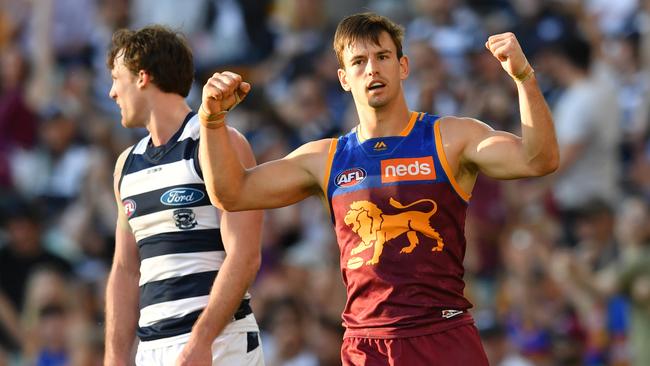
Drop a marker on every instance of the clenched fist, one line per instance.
(222, 92)
(507, 50)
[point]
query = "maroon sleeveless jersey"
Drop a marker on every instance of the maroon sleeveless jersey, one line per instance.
(399, 217)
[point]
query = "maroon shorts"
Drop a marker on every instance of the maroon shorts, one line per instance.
(455, 347)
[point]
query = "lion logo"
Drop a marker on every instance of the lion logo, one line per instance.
(375, 228)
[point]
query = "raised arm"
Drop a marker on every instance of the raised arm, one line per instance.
(241, 235)
(122, 287)
(501, 154)
(230, 185)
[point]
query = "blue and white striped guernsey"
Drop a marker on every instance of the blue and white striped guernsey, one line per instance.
(178, 236)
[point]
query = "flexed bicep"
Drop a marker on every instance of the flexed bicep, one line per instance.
(285, 181)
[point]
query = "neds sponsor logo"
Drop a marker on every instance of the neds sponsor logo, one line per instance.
(407, 169)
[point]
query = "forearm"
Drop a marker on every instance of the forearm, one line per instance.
(234, 277)
(223, 173)
(121, 317)
(538, 132)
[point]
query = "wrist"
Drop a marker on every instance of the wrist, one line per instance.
(200, 339)
(114, 360)
(212, 121)
(524, 75)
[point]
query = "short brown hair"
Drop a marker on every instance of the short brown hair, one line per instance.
(363, 27)
(161, 52)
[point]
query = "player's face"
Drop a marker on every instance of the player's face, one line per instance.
(372, 72)
(127, 93)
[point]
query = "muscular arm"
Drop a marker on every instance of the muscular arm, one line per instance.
(122, 287)
(241, 235)
(501, 154)
(234, 187)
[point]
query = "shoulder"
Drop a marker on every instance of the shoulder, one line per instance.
(460, 129)
(121, 159)
(317, 147)
(235, 135)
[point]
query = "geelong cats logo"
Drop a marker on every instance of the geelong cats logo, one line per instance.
(185, 218)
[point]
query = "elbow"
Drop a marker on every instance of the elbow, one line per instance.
(547, 164)
(223, 204)
(215, 201)
(552, 161)
(222, 201)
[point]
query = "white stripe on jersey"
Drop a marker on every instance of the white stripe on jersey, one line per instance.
(180, 264)
(192, 129)
(158, 177)
(140, 148)
(207, 217)
(171, 309)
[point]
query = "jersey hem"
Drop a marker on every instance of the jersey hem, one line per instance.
(247, 324)
(383, 333)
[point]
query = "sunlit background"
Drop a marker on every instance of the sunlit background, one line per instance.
(558, 268)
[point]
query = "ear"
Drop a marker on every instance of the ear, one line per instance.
(343, 79)
(143, 79)
(403, 67)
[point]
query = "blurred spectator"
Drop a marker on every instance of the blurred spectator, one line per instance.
(306, 112)
(588, 131)
(613, 16)
(17, 120)
(633, 83)
(451, 28)
(11, 333)
(539, 23)
(300, 28)
(430, 88)
(498, 349)
(24, 251)
(548, 304)
(327, 340)
(285, 344)
(67, 25)
(47, 318)
(54, 170)
(577, 273)
(87, 347)
(527, 300)
(632, 276)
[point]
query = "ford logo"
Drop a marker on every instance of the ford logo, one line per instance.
(181, 196)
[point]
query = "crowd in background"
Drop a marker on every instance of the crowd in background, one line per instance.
(558, 268)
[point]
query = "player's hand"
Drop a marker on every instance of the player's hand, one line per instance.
(195, 354)
(219, 92)
(506, 49)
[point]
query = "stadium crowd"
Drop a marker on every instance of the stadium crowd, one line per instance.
(558, 268)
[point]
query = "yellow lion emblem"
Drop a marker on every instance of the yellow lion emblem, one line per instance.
(376, 228)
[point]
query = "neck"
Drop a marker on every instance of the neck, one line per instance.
(168, 111)
(389, 120)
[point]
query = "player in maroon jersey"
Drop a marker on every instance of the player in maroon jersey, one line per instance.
(397, 186)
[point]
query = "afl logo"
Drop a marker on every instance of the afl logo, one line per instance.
(129, 207)
(181, 196)
(350, 177)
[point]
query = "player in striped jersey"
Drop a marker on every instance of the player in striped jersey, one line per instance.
(397, 188)
(181, 267)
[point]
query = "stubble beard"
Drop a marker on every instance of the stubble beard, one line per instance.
(377, 101)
